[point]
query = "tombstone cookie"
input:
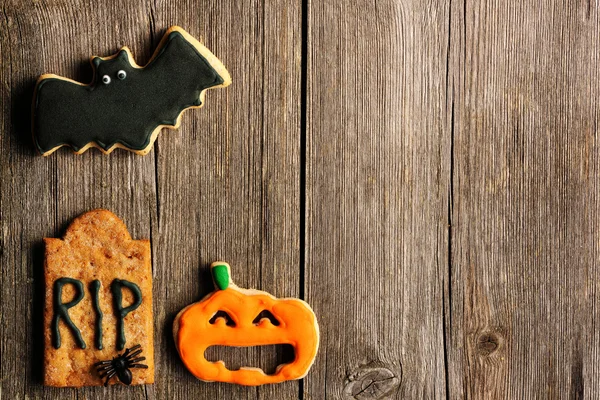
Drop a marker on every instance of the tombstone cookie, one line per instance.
(231, 316)
(126, 105)
(98, 325)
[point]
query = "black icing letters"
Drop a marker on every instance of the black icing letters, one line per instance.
(95, 288)
(61, 310)
(116, 287)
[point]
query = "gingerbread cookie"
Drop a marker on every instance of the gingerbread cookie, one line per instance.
(126, 105)
(231, 316)
(98, 325)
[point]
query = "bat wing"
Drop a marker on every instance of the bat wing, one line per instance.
(181, 71)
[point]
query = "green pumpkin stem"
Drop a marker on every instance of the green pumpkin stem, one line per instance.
(220, 274)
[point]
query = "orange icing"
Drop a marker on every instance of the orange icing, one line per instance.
(298, 327)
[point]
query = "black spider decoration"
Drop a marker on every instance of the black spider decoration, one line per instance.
(120, 365)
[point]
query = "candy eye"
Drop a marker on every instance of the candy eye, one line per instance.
(106, 79)
(121, 74)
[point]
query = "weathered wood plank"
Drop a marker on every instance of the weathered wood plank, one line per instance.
(525, 249)
(377, 177)
(518, 89)
(228, 180)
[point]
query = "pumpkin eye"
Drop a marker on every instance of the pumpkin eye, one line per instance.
(268, 315)
(222, 314)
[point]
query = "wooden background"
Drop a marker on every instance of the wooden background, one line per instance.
(424, 173)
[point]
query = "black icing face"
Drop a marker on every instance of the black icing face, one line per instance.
(112, 71)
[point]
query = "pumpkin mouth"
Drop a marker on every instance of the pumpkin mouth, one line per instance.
(264, 357)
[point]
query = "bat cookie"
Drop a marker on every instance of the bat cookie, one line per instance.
(231, 316)
(98, 321)
(126, 105)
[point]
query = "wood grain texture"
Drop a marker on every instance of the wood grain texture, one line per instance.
(228, 186)
(525, 230)
(377, 161)
(424, 173)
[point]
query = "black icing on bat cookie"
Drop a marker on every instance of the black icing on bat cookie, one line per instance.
(126, 105)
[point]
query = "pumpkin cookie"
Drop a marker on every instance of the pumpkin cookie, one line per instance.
(98, 314)
(231, 316)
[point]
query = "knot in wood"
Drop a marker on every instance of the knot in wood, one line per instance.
(487, 343)
(368, 383)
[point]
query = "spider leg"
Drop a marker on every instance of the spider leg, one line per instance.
(104, 368)
(136, 360)
(135, 353)
(103, 362)
(108, 377)
(138, 366)
(129, 350)
(106, 372)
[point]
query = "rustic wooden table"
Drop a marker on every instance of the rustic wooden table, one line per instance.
(424, 173)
